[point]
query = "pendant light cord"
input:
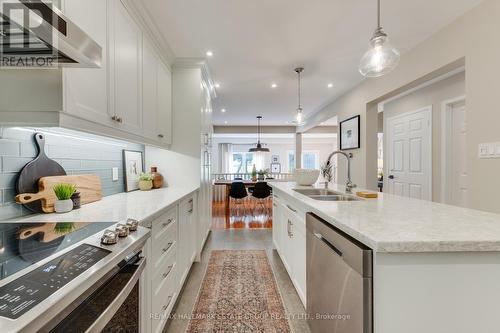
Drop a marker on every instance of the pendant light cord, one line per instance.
(378, 14)
(300, 106)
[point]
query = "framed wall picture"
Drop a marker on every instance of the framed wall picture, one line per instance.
(133, 166)
(349, 133)
(275, 168)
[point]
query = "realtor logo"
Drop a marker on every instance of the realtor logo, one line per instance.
(27, 34)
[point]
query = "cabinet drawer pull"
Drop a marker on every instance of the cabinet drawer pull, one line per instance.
(168, 222)
(165, 307)
(169, 245)
(167, 273)
(161, 136)
(292, 209)
(289, 229)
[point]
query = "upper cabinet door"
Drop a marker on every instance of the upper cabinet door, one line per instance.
(85, 89)
(149, 90)
(126, 84)
(164, 104)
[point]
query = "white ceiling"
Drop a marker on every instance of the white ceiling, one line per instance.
(258, 42)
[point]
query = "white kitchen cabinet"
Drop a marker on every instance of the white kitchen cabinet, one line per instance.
(125, 70)
(156, 97)
(278, 234)
(86, 90)
(107, 100)
(164, 102)
(149, 89)
(289, 237)
(162, 268)
(187, 237)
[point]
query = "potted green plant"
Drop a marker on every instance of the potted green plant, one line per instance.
(145, 181)
(262, 174)
(327, 173)
(63, 193)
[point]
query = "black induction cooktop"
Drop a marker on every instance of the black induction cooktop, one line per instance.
(22, 294)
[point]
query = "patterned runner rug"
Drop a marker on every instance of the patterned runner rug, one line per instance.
(239, 294)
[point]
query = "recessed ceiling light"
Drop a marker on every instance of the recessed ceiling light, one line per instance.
(223, 110)
(217, 85)
(330, 85)
(225, 122)
(274, 85)
(210, 54)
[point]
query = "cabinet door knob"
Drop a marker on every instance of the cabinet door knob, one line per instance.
(161, 136)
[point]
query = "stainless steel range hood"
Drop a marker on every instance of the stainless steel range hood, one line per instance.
(34, 33)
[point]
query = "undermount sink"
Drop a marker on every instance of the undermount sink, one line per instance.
(316, 191)
(325, 195)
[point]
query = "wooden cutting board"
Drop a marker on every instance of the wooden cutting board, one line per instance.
(89, 187)
(41, 166)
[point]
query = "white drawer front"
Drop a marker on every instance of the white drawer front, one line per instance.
(164, 247)
(163, 229)
(165, 266)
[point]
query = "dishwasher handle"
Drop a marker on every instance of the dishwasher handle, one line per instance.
(329, 244)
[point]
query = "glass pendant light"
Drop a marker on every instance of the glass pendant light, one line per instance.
(299, 116)
(381, 57)
(259, 147)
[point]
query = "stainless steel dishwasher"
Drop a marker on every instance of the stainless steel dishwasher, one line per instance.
(339, 280)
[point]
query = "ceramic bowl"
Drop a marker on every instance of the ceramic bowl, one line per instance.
(306, 177)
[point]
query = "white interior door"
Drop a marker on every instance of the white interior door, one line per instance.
(458, 159)
(409, 154)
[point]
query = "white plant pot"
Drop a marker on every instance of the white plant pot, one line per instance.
(63, 206)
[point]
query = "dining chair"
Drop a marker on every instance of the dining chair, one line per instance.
(238, 192)
(262, 192)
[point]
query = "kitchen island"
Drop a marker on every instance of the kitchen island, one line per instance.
(436, 268)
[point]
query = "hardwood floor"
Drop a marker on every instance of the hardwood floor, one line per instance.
(248, 213)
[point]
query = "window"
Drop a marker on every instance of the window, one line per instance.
(291, 161)
(310, 160)
(241, 162)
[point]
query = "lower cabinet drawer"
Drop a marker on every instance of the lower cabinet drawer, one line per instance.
(162, 249)
(165, 272)
(164, 296)
(162, 226)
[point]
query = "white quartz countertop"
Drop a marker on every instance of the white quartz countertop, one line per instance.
(140, 205)
(396, 224)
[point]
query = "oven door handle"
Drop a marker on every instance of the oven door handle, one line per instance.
(110, 311)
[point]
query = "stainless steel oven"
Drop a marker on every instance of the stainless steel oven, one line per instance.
(65, 278)
(339, 280)
(111, 305)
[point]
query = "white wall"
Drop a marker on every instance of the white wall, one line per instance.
(177, 169)
(433, 95)
(472, 40)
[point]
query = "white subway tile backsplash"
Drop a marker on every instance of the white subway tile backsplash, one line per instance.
(77, 155)
(9, 147)
(14, 164)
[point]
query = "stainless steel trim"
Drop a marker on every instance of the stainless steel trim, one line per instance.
(74, 48)
(106, 316)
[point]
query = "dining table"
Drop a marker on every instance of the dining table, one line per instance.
(227, 184)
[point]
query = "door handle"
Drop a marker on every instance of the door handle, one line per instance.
(391, 176)
(291, 208)
(330, 245)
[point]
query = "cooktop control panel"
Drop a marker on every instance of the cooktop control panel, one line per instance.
(19, 296)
